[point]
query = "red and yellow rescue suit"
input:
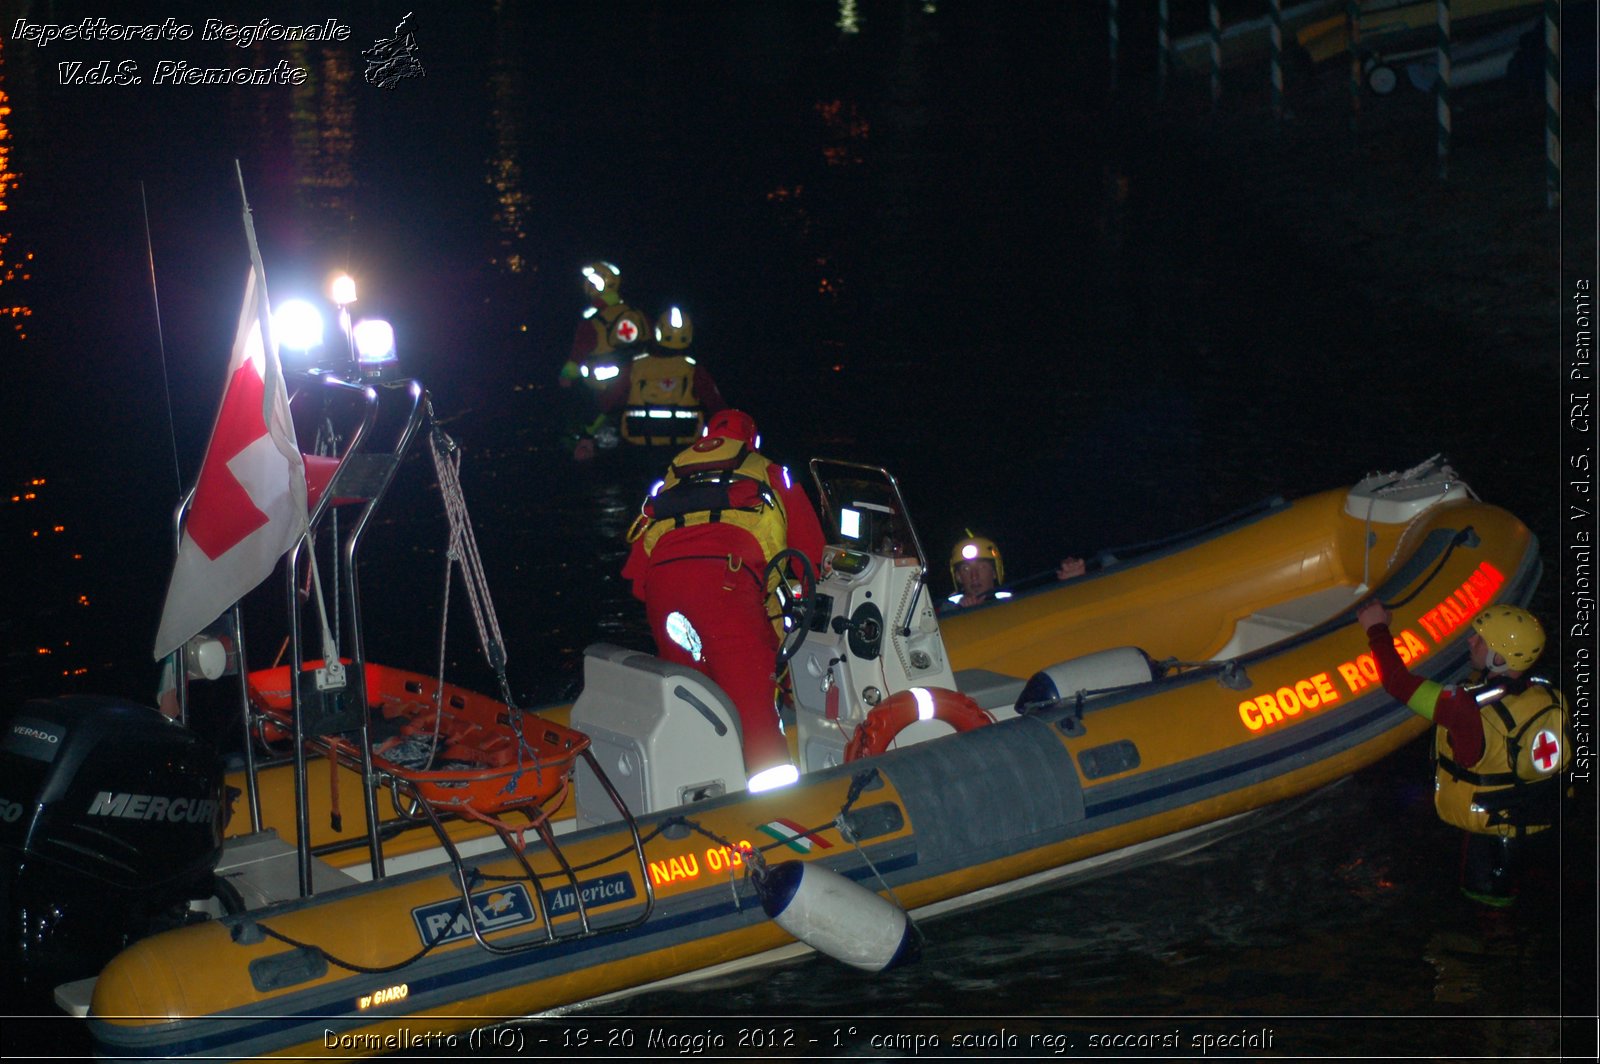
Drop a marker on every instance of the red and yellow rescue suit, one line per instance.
(699, 550)
(1500, 747)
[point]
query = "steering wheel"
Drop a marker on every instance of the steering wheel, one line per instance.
(796, 607)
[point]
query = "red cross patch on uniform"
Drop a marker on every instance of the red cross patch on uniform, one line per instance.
(1546, 751)
(627, 331)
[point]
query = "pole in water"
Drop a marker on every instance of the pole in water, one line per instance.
(834, 914)
(1442, 88)
(1552, 103)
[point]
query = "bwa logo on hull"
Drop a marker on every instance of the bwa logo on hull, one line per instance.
(510, 906)
(495, 910)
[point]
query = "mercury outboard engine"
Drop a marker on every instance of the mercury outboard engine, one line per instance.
(111, 821)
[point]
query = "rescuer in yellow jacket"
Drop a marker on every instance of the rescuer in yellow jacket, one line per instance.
(606, 339)
(1501, 744)
(664, 393)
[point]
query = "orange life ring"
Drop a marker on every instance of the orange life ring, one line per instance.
(889, 717)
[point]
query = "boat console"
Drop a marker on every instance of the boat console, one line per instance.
(873, 630)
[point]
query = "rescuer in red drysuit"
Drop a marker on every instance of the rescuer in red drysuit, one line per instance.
(1501, 743)
(700, 547)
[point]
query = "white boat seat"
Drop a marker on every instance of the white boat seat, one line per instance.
(264, 869)
(665, 735)
(995, 691)
(1272, 623)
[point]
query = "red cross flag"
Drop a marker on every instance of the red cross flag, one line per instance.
(249, 505)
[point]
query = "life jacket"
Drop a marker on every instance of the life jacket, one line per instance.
(662, 406)
(618, 332)
(1515, 786)
(716, 479)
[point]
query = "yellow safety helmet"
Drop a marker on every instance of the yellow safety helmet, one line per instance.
(974, 548)
(1513, 633)
(603, 282)
(674, 329)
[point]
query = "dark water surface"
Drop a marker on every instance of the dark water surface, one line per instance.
(1062, 320)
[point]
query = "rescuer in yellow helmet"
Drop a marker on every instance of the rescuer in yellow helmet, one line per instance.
(664, 393)
(1501, 743)
(674, 330)
(610, 333)
(602, 282)
(977, 570)
(606, 339)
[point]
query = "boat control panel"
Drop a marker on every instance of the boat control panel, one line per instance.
(874, 631)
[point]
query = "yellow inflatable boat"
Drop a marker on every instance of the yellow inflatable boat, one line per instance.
(945, 762)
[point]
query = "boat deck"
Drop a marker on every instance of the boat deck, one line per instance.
(1266, 626)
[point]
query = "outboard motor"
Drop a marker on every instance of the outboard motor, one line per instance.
(111, 820)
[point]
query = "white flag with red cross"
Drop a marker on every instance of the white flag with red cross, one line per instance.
(249, 505)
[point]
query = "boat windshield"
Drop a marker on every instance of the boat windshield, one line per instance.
(862, 509)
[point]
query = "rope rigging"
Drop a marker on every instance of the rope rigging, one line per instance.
(463, 551)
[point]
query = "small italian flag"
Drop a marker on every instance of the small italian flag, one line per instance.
(794, 836)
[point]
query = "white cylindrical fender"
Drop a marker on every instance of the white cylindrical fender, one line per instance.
(1117, 667)
(838, 916)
